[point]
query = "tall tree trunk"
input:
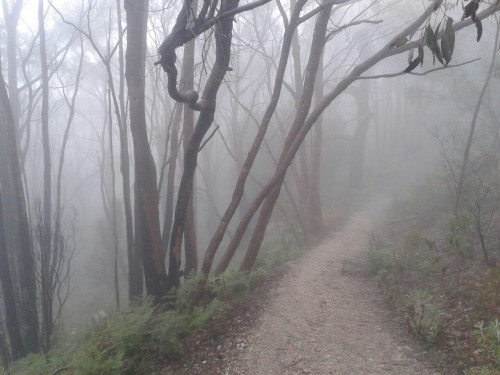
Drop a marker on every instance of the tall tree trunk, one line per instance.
(315, 221)
(147, 224)
(190, 248)
(169, 199)
(4, 347)
(135, 272)
(11, 19)
(46, 240)
(303, 177)
(26, 264)
(113, 204)
(11, 317)
(358, 142)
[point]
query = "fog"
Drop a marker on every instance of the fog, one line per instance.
(288, 130)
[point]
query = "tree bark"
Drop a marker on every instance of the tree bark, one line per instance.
(169, 199)
(190, 248)
(11, 18)
(315, 221)
(46, 239)
(135, 271)
(358, 142)
(26, 264)
(11, 317)
(147, 225)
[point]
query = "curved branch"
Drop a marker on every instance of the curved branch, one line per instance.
(182, 34)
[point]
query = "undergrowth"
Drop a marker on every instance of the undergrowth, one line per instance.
(132, 341)
(430, 266)
(124, 343)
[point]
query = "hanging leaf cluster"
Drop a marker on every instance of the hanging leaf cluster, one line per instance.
(443, 53)
(470, 11)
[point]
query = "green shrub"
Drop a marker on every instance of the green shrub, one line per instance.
(423, 317)
(458, 237)
(489, 337)
(277, 249)
(482, 370)
(380, 260)
(37, 364)
(489, 290)
(231, 285)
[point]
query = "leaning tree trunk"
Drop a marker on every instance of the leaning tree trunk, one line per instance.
(147, 224)
(249, 160)
(317, 45)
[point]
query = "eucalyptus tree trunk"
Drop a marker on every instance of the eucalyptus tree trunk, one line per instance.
(24, 251)
(147, 240)
(172, 166)
(190, 248)
(11, 316)
(11, 20)
(303, 178)
(135, 271)
(315, 218)
(4, 348)
(46, 235)
(358, 141)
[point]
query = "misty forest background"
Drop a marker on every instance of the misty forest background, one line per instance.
(145, 142)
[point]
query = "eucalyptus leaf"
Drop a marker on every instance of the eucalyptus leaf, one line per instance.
(448, 41)
(479, 27)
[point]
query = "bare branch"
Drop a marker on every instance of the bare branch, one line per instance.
(392, 75)
(355, 23)
(208, 139)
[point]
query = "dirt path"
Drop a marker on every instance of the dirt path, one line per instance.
(320, 321)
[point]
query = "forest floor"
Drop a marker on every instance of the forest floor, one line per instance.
(312, 319)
